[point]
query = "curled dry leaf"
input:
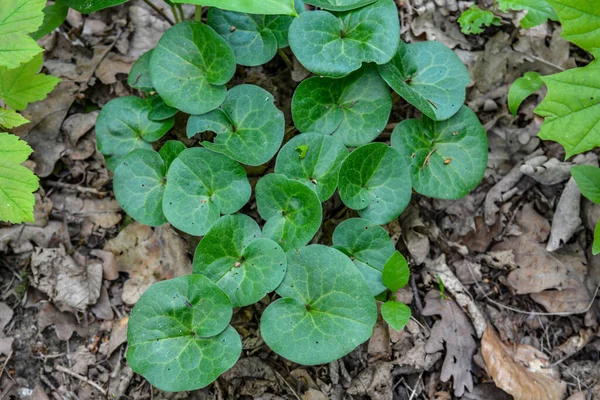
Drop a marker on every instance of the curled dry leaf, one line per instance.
(64, 323)
(500, 193)
(413, 229)
(566, 218)
(22, 238)
(513, 377)
(374, 381)
(547, 172)
(251, 377)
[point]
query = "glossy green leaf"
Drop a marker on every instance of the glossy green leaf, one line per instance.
(178, 334)
(588, 181)
(340, 5)
(473, 19)
(239, 261)
(190, 66)
(570, 109)
(326, 309)
(54, 16)
(396, 272)
(596, 244)
(159, 110)
(429, 76)
(10, 119)
(375, 180)
(317, 164)
(580, 20)
(448, 158)
(335, 45)
(170, 151)
(139, 185)
(285, 7)
(89, 6)
(202, 185)
(291, 209)
(522, 88)
(253, 38)
(123, 126)
(368, 245)
(23, 85)
(249, 127)
(139, 76)
(538, 11)
(356, 108)
(395, 314)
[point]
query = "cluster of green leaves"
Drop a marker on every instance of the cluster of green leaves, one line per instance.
(20, 84)
(327, 295)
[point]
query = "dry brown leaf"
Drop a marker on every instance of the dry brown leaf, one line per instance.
(455, 330)
(559, 301)
(374, 381)
(109, 263)
(566, 217)
(533, 224)
(81, 359)
(487, 391)
(479, 239)
(6, 345)
(148, 256)
(104, 213)
(67, 283)
(22, 238)
(514, 378)
(102, 308)
(250, 377)
(312, 394)
(415, 360)
(413, 234)
(112, 65)
(379, 343)
(77, 125)
(64, 323)
(118, 336)
(6, 314)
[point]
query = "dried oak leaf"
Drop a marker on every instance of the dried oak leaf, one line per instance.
(513, 377)
(454, 329)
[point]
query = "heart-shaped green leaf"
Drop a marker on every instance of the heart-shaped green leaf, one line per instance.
(292, 210)
(159, 109)
(327, 309)
(368, 245)
(249, 127)
(123, 126)
(88, 7)
(178, 334)
(339, 5)
(375, 180)
(285, 7)
(314, 160)
(235, 257)
(139, 76)
(139, 185)
(190, 66)
(395, 314)
(355, 109)
(448, 158)
(202, 185)
(336, 44)
(170, 151)
(396, 272)
(253, 38)
(429, 76)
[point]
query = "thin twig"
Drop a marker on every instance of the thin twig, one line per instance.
(5, 363)
(81, 189)
(427, 158)
(288, 385)
(81, 378)
(159, 11)
(285, 58)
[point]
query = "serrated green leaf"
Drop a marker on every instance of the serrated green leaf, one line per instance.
(375, 180)
(570, 109)
(244, 265)
(20, 16)
(178, 334)
(90, 6)
(588, 181)
(170, 151)
(340, 5)
(472, 20)
(11, 119)
(580, 20)
(285, 7)
(202, 185)
(327, 309)
(356, 108)
(429, 76)
(123, 126)
(335, 45)
(596, 243)
(522, 88)
(395, 314)
(249, 127)
(538, 11)
(139, 76)
(395, 272)
(368, 245)
(292, 210)
(23, 85)
(253, 38)
(317, 165)
(448, 158)
(159, 110)
(54, 15)
(190, 66)
(139, 185)
(16, 49)
(13, 149)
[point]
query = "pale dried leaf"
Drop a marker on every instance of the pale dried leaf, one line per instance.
(6, 314)
(374, 381)
(566, 219)
(413, 234)
(6, 345)
(118, 336)
(64, 323)
(77, 125)
(22, 238)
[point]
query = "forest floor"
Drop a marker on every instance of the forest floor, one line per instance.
(514, 255)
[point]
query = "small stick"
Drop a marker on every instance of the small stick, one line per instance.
(81, 189)
(81, 378)
(159, 11)
(427, 158)
(5, 363)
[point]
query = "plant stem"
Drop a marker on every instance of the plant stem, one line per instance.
(198, 16)
(159, 11)
(286, 59)
(182, 15)
(174, 11)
